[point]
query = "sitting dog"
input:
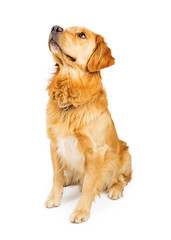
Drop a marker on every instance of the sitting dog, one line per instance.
(85, 148)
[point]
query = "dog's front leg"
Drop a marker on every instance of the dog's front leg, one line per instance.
(89, 190)
(55, 195)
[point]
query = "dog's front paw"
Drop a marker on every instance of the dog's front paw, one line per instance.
(52, 203)
(79, 216)
(53, 200)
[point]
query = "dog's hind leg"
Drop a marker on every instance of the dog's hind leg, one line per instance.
(67, 180)
(70, 180)
(124, 176)
(116, 190)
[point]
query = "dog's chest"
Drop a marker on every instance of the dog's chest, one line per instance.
(69, 153)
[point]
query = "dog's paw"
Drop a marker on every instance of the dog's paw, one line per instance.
(52, 203)
(79, 216)
(115, 193)
(53, 200)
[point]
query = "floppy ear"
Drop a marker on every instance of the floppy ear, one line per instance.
(101, 57)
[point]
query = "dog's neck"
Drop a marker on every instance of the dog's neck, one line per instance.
(73, 88)
(77, 73)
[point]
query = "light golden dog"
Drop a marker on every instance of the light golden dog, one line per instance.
(85, 148)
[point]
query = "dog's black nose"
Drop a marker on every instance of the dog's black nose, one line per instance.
(56, 29)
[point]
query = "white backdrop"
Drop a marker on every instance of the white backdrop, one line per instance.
(139, 94)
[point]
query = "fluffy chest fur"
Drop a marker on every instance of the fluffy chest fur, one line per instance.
(68, 151)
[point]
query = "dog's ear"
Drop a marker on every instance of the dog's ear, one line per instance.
(101, 57)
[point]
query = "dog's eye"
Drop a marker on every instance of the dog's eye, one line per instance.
(82, 35)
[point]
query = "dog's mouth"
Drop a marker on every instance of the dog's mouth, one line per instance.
(52, 41)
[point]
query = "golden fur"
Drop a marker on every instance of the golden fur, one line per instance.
(85, 148)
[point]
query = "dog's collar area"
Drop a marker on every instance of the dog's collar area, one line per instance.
(67, 108)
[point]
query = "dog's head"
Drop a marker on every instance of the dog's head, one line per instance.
(79, 48)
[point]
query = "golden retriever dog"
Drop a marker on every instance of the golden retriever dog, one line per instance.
(85, 148)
